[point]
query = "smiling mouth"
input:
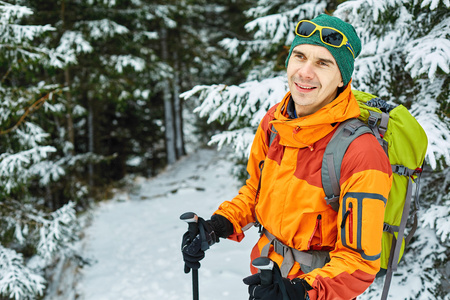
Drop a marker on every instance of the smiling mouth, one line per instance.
(305, 87)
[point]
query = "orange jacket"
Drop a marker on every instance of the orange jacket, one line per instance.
(291, 202)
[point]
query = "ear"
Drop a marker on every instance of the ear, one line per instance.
(341, 84)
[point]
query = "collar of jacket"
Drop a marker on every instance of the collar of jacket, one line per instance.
(305, 131)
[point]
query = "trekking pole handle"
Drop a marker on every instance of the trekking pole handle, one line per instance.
(265, 265)
(192, 220)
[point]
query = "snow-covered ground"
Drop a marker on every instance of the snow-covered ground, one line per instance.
(134, 240)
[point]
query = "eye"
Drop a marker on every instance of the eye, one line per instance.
(300, 55)
(322, 63)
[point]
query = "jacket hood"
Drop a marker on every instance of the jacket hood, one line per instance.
(305, 131)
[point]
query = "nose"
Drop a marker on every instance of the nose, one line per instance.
(306, 71)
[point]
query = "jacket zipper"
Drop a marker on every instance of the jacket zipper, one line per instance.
(350, 222)
(317, 227)
(349, 215)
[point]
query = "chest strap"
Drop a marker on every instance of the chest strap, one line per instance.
(308, 260)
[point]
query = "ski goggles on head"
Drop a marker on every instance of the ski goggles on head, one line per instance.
(329, 36)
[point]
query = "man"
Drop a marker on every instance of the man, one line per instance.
(322, 254)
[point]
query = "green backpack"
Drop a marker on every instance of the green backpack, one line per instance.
(405, 143)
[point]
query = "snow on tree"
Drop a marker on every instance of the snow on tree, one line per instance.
(405, 60)
(17, 280)
(25, 163)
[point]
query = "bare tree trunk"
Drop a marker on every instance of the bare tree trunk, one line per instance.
(168, 107)
(90, 140)
(178, 109)
(70, 129)
(69, 106)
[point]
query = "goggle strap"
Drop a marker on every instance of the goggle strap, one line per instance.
(350, 48)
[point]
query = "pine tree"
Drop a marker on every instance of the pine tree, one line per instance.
(110, 118)
(26, 162)
(189, 36)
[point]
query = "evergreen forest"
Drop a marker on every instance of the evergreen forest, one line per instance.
(95, 92)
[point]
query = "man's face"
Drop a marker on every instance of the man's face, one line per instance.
(313, 78)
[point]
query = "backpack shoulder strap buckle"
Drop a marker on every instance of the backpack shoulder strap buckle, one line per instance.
(373, 119)
(351, 127)
(402, 170)
(390, 228)
(333, 201)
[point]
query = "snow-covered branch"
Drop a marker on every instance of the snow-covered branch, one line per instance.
(58, 231)
(16, 280)
(249, 100)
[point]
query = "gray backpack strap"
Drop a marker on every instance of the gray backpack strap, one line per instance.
(308, 260)
(378, 122)
(273, 134)
(346, 133)
(416, 206)
(397, 242)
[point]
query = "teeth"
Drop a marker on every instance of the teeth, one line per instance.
(305, 87)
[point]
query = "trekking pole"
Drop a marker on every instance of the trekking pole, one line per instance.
(269, 275)
(192, 219)
(265, 265)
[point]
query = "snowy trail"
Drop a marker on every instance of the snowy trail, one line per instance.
(135, 244)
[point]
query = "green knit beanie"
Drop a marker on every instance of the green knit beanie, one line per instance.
(342, 55)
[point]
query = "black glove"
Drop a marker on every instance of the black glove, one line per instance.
(192, 252)
(280, 289)
(208, 233)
